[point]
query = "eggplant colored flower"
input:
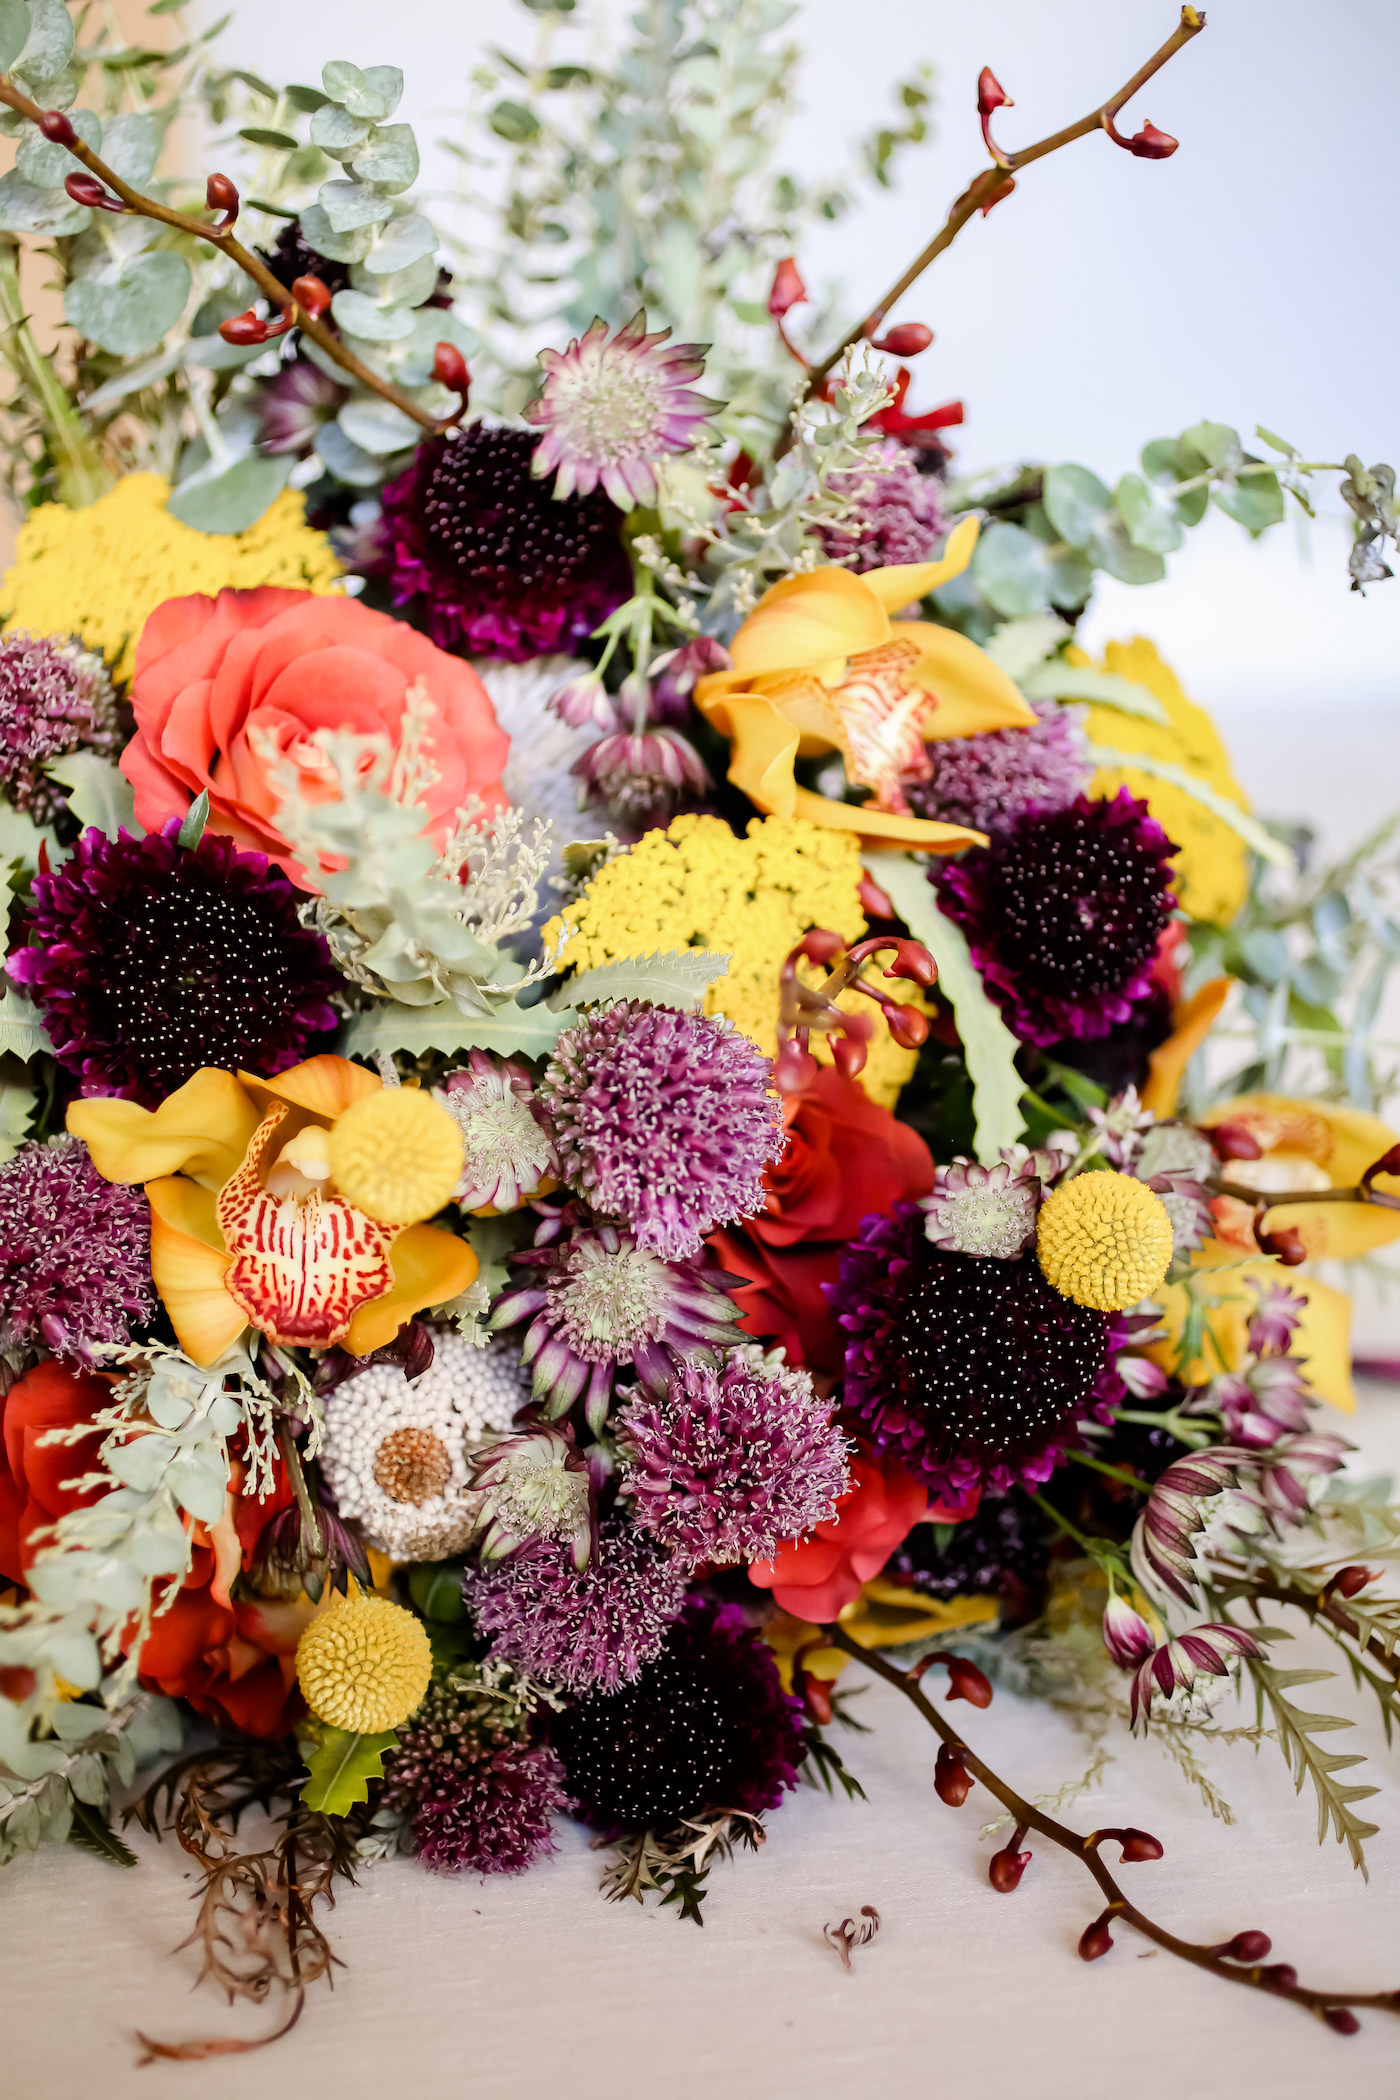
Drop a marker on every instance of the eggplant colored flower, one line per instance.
(642, 779)
(149, 959)
(1170, 1674)
(895, 512)
(506, 1143)
(974, 1372)
(989, 782)
(984, 1210)
(729, 1462)
(580, 1627)
(664, 1120)
(478, 1798)
(1064, 913)
(295, 405)
(610, 409)
(596, 1300)
(75, 1269)
(291, 256)
(502, 566)
(55, 697)
(706, 1725)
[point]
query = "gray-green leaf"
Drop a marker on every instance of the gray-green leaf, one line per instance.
(677, 978)
(390, 159)
(46, 165)
(532, 1031)
(230, 498)
(1075, 500)
(129, 309)
(130, 146)
(21, 1026)
(98, 794)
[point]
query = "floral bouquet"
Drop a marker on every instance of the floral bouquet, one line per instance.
(628, 1082)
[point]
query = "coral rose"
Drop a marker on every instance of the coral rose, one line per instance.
(817, 1577)
(32, 1473)
(846, 1157)
(229, 689)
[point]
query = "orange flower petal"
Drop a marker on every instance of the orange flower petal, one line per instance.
(817, 618)
(1191, 1024)
(186, 1208)
(974, 695)
(430, 1267)
(202, 1129)
(325, 1086)
(904, 583)
(191, 1279)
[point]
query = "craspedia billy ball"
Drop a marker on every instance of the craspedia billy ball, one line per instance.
(364, 1665)
(1104, 1240)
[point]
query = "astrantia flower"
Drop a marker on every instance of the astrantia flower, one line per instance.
(731, 1461)
(506, 1142)
(973, 1372)
(664, 1120)
(478, 1798)
(1167, 1680)
(75, 1266)
(983, 1210)
(987, 782)
(1064, 913)
(1188, 1204)
(610, 409)
(580, 1627)
(529, 1487)
(55, 697)
(503, 567)
(295, 405)
(642, 778)
(149, 960)
(707, 1725)
(1174, 1148)
(896, 513)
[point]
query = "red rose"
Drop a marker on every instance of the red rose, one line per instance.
(32, 1473)
(817, 1577)
(846, 1157)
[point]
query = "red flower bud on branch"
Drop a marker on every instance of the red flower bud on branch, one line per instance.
(1002, 191)
(1388, 1163)
(991, 96)
(244, 328)
(907, 339)
(1147, 144)
(787, 289)
(1281, 1976)
(873, 901)
(221, 194)
(1286, 1245)
(1349, 1582)
(952, 1782)
(1005, 1868)
(1096, 1939)
(1136, 1845)
(312, 296)
(1233, 1141)
(86, 189)
(1246, 1946)
(450, 369)
(1341, 2021)
(57, 129)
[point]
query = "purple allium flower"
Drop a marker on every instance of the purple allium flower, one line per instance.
(479, 1798)
(149, 959)
(989, 781)
(730, 1462)
(505, 1140)
(642, 779)
(610, 410)
(705, 1726)
(295, 405)
(579, 1628)
(75, 1254)
(664, 1120)
(55, 697)
(1064, 913)
(974, 1372)
(897, 514)
(502, 566)
(989, 1211)
(596, 1300)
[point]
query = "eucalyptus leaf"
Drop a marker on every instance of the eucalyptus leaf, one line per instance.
(318, 232)
(1217, 443)
(1075, 500)
(529, 1031)
(513, 122)
(131, 146)
(402, 242)
(1255, 501)
(376, 426)
(14, 28)
(340, 78)
(260, 135)
(1114, 551)
(27, 209)
(336, 132)
(390, 158)
(1151, 520)
(358, 315)
(129, 309)
(349, 462)
(1255, 835)
(149, 372)
(48, 46)
(231, 498)
(350, 205)
(307, 99)
(98, 793)
(1011, 568)
(341, 1769)
(39, 161)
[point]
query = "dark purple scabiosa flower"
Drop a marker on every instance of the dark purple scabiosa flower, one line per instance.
(149, 959)
(1001, 1551)
(1064, 913)
(705, 1726)
(664, 1120)
(295, 405)
(989, 782)
(291, 256)
(896, 514)
(973, 1371)
(580, 1627)
(730, 1462)
(55, 697)
(75, 1254)
(478, 1798)
(502, 566)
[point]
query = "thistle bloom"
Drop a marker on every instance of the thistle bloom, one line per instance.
(610, 409)
(506, 1143)
(989, 1211)
(1170, 1673)
(55, 697)
(478, 1797)
(895, 513)
(74, 1255)
(664, 1120)
(580, 1628)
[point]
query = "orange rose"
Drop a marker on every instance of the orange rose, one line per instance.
(229, 689)
(817, 1577)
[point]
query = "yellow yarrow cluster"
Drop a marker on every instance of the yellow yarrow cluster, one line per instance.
(1212, 867)
(1104, 1240)
(364, 1665)
(699, 886)
(101, 572)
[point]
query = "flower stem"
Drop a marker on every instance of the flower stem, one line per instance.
(82, 477)
(1121, 1473)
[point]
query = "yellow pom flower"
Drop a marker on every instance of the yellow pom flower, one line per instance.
(699, 886)
(100, 572)
(395, 1155)
(1212, 867)
(1104, 1240)
(364, 1665)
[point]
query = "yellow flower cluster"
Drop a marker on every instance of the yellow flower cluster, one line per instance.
(699, 886)
(364, 1664)
(1212, 868)
(100, 572)
(1104, 1240)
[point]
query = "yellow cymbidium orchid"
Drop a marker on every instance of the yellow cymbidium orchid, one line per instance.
(820, 665)
(1306, 1145)
(249, 1223)
(1323, 1338)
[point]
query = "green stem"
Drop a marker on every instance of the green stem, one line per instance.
(1176, 1424)
(1121, 1473)
(82, 477)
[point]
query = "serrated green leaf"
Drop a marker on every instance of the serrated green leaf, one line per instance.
(677, 978)
(99, 793)
(21, 1027)
(342, 1768)
(988, 1044)
(1249, 828)
(1062, 681)
(529, 1031)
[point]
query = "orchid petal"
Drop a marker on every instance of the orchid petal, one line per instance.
(203, 1129)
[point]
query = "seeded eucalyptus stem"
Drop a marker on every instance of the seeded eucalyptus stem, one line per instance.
(1277, 1979)
(224, 239)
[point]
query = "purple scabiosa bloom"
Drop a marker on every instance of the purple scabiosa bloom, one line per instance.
(642, 779)
(730, 1462)
(896, 513)
(974, 1372)
(1002, 1550)
(664, 1120)
(477, 1797)
(988, 1211)
(707, 1725)
(55, 697)
(75, 1254)
(295, 405)
(1064, 913)
(595, 1301)
(149, 959)
(610, 409)
(291, 256)
(506, 1144)
(1170, 1673)
(989, 781)
(580, 1627)
(501, 566)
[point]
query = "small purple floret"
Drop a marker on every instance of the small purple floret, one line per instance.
(75, 1268)
(589, 1630)
(987, 782)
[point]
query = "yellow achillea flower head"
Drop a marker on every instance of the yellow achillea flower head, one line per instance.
(100, 572)
(1212, 867)
(697, 885)
(1104, 1240)
(395, 1155)
(364, 1665)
